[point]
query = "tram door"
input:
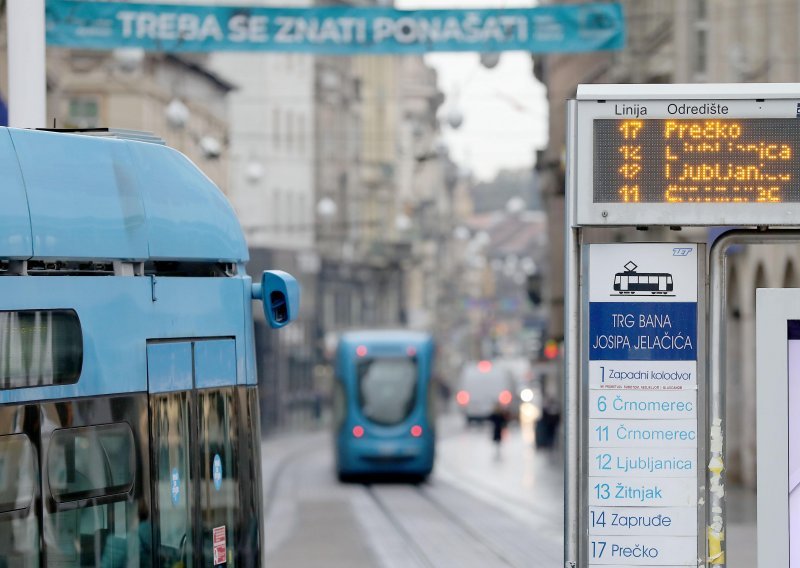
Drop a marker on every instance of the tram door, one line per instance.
(193, 442)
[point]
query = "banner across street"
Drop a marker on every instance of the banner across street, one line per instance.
(338, 30)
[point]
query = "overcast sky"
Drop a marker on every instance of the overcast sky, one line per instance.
(504, 109)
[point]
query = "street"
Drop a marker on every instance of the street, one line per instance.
(475, 510)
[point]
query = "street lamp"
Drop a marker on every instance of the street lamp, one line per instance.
(327, 208)
(490, 59)
(253, 172)
(402, 223)
(455, 118)
(177, 113)
(128, 59)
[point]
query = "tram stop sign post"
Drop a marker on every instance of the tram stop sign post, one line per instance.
(644, 346)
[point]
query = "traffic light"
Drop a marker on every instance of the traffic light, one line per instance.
(551, 349)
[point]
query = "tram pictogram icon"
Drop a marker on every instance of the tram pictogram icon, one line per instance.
(634, 283)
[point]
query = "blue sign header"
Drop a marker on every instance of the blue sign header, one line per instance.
(337, 30)
(643, 331)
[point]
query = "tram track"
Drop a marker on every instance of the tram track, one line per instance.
(414, 548)
(419, 543)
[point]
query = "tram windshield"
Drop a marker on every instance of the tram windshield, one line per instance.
(387, 389)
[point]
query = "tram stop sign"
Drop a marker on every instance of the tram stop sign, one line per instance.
(645, 419)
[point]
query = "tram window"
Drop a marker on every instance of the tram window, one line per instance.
(16, 473)
(39, 348)
(84, 465)
(387, 388)
(19, 529)
(250, 486)
(219, 475)
(171, 426)
(91, 461)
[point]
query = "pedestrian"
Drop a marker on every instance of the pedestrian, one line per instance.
(547, 425)
(499, 420)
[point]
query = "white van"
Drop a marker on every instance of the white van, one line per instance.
(481, 386)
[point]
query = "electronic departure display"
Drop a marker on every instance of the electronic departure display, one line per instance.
(707, 160)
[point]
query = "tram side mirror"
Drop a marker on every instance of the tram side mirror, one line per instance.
(280, 294)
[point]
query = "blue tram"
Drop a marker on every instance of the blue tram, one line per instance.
(129, 421)
(384, 404)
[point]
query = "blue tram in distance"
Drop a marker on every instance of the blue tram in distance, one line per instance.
(384, 415)
(129, 415)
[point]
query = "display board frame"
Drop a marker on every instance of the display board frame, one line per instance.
(664, 102)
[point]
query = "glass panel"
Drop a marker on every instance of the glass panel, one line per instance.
(219, 487)
(250, 481)
(100, 535)
(387, 388)
(94, 462)
(90, 462)
(19, 530)
(39, 347)
(16, 472)
(171, 446)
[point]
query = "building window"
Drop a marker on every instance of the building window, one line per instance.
(701, 40)
(289, 130)
(84, 112)
(301, 134)
(276, 128)
(277, 197)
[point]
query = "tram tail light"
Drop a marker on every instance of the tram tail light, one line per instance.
(416, 430)
(505, 397)
(358, 431)
(462, 398)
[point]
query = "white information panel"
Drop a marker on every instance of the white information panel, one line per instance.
(778, 426)
(643, 550)
(654, 521)
(643, 462)
(639, 434)
(641, 352)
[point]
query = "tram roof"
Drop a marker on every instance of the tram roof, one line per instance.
(69, 196)
(384, 336)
